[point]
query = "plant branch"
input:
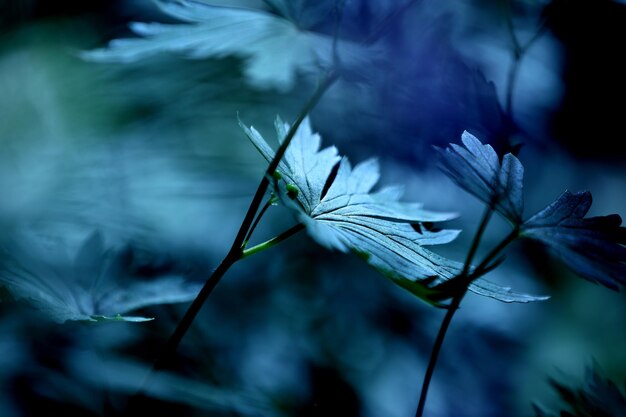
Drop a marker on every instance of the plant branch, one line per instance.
(452, 308)
(192, 311)
(267, 205)
(484, 266)
(272, 242)
(518, 53)
(476, 242)
(387, 22)
(434, 353)
(263, 186)
(236, 251)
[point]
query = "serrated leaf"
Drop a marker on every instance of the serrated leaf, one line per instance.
(477, 169)
(593, 247)
(274, 48)
(95, 286)
(376, 225)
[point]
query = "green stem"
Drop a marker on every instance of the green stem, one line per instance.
(454, 305)
(272, 242)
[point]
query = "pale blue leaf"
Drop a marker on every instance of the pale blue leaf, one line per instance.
(93, 286)
(390, 235)
(593, 247)
(275, 50)
(477, 169)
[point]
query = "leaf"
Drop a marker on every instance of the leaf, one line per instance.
(477, 169)
(597, 397)
(274, 49)
(110, 373)
(593, 247)
(343, 213)
(95, 286)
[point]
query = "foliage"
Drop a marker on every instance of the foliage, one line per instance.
(597, 397)
(477, 169)
(593, 247)
(341, 212)
(395, 72)
(96, 285)
(274, 48)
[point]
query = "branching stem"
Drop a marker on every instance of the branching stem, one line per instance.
(272, 242)
(237, 250)
(266, 206)
(454, 305)
(466, 280)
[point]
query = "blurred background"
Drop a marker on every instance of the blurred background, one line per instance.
(128, 174)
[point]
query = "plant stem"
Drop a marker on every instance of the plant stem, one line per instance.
(434, 354)
(261, 190)
(272, 242)
(518, 53)
(236, 251)
(192, 311)
(477, 237)
(456, 302)
(454, 305)
(267, 205)
(484, 265)
(388, 21)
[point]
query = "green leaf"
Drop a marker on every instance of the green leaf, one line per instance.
(274, 48)
(593, 247)
(477, 169)
(349, 216)
(95, 286)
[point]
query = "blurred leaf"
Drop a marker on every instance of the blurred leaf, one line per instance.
(598, 397)
(275, 49)
(127, 376)
(593, 247)
(477, 169)
(94, 287)
(343, 213)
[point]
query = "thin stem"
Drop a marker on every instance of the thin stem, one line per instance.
(192, 311)
(434, 354)
(236, 251)
(518, 53)
(272, 242)
(484, 265)
(262, 189)
(510, 87)
(267, 205)
(509, 24)
(339, 7)
(454, 305)
(388, 21)
(456, 302)
(477, 237)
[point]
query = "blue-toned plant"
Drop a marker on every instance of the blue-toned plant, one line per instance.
(337, 203)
